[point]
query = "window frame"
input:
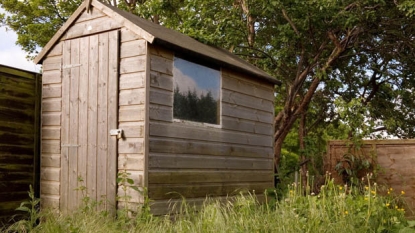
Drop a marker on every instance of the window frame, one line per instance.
(219, 105)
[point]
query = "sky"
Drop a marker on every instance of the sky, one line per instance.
(11, 54)
(192, 76)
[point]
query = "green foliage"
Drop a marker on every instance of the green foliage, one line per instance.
(334, 209)
(31, 209)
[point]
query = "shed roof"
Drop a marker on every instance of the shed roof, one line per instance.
(157, 34)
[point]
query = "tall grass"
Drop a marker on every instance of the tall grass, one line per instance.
(334, 209)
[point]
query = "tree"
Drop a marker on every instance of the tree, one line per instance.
(344, 53)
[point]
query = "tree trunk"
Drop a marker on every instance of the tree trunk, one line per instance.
(303, 162)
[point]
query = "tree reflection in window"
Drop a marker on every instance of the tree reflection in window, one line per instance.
(196, 92)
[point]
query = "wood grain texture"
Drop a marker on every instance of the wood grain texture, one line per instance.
(196, 160)
(193, 161)
(19, 137)
(394, 158)
(91, 27)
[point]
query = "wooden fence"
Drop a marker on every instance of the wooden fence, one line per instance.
(394, 162)
(19, 138)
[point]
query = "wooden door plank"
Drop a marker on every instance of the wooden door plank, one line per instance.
(93, 67)
(65, 126)
(74, 125)
(113, 46)
(102, 116)
(83, 113)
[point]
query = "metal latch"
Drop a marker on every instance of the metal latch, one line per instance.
(116, 132)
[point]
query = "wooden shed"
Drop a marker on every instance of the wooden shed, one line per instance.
(195, 120)
(19, 140)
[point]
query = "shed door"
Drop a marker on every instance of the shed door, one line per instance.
(89, 111)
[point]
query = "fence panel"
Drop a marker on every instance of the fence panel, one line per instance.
(19, 137)
(394, 163)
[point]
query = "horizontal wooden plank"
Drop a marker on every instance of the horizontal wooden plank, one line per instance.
(51, 76)
(131, 162)
(24, 175)
(12, 197)
(161, 64)
(49, 187)
(19, 127)
(240, 112)
(133, 64)
(50, 174)
(132, 80)
(18, 104)
(56, 50)
(208, 176)
(50, 160)
(51, 119)
(186, 146)
(189, 161)
(131, 113)
(232, 73)
(51, 146)
(131, 146)
(161, 97)
(236, 98)
(16, 149)
(15, 72)
(9, 158)
(49, 201)
(161, 113)
(246, 87)
(133, 195)
(134, 129)
(51, 90)
(8, 114)
(161, 52)
(52, 105)
(137, 177)
(247, 126)
(16, 186)
(52, 63)
(92, 14)
(90, 27)
(17, 138)
(161, 81)
(12, 82)
(133, 48)
(12, 168)
(183, 131)
(10, 205)
(164, 191)
(128, 35)
(132, 96)
(53, 132)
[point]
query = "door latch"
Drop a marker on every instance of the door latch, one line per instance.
(116, 132)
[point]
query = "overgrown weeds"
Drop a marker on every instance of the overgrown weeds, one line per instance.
(334, 209)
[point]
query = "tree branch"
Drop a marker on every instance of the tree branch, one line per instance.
(284, 13)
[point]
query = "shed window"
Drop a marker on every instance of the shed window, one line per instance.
(196, 92)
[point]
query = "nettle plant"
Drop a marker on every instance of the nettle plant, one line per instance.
(355, 165)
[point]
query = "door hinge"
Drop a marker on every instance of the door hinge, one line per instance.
(70, 66)
(70, 145)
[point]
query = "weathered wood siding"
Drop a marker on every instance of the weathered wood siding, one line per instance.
(50, 172)
(395, 159)
(132, 112)
(19, 140)
(198, 161)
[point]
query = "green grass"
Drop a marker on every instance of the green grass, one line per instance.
(334, 209)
